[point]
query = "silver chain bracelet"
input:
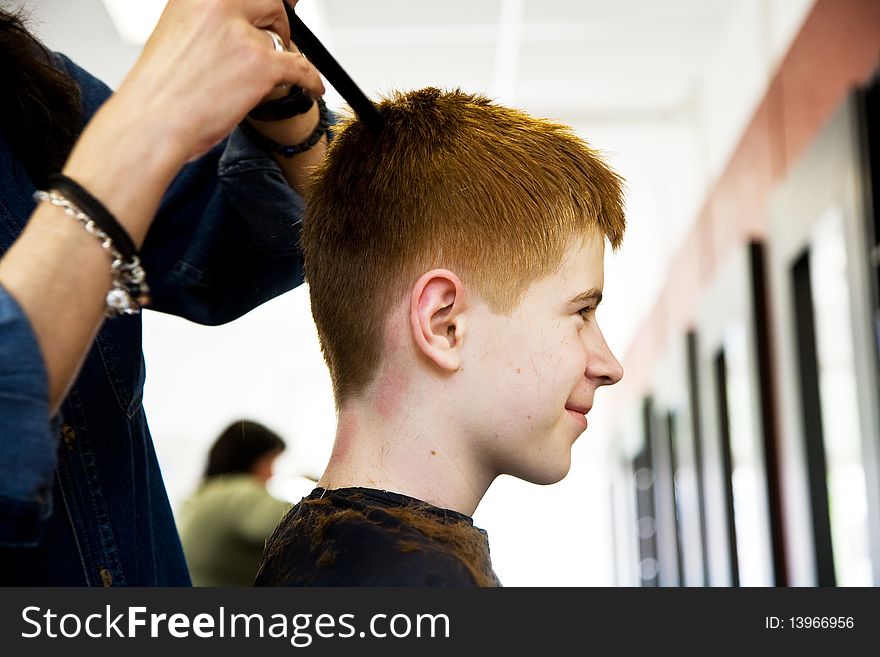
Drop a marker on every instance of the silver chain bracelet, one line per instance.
(128, 291)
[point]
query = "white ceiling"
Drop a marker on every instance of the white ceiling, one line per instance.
(572, 59)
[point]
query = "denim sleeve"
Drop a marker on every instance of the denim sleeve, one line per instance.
(226, 237)
(27, 441)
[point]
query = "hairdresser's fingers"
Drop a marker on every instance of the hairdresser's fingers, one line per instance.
(291, 68)
(294, 68)
(205, 66)
(276, 22)
(264, 13)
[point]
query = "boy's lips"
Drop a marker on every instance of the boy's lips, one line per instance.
(578, 413)
(583, 410)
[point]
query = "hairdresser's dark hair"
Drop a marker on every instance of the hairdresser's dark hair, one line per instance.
(40, 110)
(240, 446)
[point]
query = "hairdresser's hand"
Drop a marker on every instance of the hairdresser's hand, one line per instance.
(207, 63)
(294, 130)
(210, 61)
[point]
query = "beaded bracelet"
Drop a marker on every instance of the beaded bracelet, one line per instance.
(290, 150)
(128, 291)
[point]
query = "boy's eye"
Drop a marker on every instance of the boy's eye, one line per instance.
(583, 312)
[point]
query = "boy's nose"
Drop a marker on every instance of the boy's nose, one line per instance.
(615, 370)
(602, 366)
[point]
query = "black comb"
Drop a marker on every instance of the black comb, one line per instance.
(321, 58)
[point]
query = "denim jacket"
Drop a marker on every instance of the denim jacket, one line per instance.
(82, 501)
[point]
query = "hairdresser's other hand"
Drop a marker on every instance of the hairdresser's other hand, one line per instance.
(210, 61)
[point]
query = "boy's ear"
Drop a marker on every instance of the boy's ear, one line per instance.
(437, 319)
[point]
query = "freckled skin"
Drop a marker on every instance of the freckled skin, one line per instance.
(557, 357)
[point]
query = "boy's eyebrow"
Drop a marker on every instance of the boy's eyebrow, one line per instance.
(593, 294)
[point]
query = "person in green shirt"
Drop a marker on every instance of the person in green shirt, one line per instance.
(225, 523)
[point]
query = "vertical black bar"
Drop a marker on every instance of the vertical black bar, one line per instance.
(869, 127)
(676, 506)
(726, 462)
(868, 108)
(645, 507)
(769, 431)
(616, 547)
(811, 412)
(664, 497)
(696, 421)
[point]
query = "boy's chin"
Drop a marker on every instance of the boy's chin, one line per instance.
(554, 479)
(548, 474)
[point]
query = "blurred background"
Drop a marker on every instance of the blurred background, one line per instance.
(743, 445)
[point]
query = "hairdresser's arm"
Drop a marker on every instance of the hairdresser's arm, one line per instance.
(296, 169)
(294, 130)
(170, 108)
(56, 271)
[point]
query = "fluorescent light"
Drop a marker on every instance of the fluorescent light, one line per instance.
(135, 20)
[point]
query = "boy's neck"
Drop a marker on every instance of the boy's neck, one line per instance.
(421, 458)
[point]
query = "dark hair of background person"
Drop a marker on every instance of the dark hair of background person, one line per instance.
(40, 113)
(240, 446)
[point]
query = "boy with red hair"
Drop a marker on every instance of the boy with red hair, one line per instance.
(455, 262)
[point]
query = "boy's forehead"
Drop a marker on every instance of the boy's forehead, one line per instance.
(583, 264)
(579, 276)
